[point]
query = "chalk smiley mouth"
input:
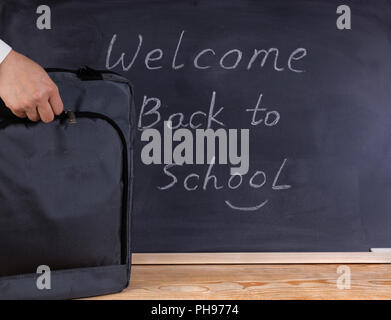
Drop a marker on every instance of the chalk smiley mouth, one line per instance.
(253, 208)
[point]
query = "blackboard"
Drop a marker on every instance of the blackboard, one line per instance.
(331, 90)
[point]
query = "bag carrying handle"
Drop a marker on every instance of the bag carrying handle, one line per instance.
(84, 74)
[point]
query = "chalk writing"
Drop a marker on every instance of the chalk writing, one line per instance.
(185, 134)
(205, 58)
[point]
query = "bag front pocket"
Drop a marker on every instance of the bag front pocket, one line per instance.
(63, 193)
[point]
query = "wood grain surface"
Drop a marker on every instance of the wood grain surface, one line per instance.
(295, 281)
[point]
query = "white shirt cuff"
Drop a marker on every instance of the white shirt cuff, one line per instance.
(4, 50)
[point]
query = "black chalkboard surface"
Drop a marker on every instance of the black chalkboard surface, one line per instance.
(319, 179)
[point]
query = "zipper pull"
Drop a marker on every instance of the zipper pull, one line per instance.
(71, 116)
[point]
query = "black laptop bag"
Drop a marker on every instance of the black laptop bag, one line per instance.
(66, 192)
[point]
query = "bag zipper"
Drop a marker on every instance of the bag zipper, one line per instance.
(72, 116)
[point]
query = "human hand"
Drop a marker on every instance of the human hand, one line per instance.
(27, 89)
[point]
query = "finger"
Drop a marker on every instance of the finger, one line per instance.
(45, 112)
(20, 114)
(56, 102)
(32, 114)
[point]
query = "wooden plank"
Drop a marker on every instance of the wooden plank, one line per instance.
(371, 281)
(261, 258)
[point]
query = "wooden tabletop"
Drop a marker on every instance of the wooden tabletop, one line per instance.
(255, 281)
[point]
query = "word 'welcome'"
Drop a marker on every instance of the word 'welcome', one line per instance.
(206, 58)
